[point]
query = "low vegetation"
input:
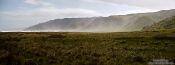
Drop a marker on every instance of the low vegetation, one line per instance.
(51, 48)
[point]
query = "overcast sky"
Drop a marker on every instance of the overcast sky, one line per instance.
(18, 14)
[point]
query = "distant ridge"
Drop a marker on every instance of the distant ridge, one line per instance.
(115, 23)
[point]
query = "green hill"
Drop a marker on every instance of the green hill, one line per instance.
(166, 24)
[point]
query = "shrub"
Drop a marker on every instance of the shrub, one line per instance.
(164, 37)
(139, 59)
(123, 41)
(57, 36)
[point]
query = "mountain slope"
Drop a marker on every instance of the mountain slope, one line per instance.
(116, 23)
(168, 23)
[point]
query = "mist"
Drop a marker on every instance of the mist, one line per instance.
(115, 23)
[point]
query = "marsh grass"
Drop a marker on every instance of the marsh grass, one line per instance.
(134, 48)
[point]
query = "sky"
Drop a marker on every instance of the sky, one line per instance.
(19, 14)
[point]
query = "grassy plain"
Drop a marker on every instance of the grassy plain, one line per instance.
(83, 48)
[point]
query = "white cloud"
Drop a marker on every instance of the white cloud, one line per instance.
(134, 11)
(150, 4)
(38, 2)
(21, 19)
(48, 13)
(34, 2)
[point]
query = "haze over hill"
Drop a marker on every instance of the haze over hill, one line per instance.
(115, 23)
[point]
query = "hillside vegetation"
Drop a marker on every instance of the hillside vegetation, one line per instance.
(166, 24)
(49, 48)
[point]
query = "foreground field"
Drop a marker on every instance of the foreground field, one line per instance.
(134, 48)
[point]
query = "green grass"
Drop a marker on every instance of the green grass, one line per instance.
(75, 48)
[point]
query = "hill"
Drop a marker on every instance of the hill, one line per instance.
(166, 24)
(115, 23)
